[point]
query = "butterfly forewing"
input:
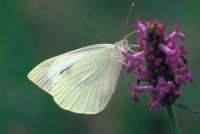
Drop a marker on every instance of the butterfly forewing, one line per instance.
(46, 72)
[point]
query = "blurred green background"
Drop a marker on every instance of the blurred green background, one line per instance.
(34, 30)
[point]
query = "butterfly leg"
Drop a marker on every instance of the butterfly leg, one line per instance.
(121, 60)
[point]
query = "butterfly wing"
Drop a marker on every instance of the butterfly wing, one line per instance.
(88, 84)
(46, 72)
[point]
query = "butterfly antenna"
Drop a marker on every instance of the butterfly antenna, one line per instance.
(128, 18)
(131, 34)
(187, 108)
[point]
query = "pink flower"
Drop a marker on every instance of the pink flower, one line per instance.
(161, 62)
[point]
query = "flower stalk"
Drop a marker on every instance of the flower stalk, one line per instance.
(173, 119)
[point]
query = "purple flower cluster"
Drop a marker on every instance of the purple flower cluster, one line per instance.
(160, 61)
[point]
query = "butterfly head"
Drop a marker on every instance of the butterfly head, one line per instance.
(122, 46)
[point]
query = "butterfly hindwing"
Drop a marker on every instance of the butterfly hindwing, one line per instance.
(87, 86)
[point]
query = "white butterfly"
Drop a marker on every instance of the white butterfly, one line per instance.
(82, 80)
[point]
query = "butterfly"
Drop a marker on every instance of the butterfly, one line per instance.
(83, 80)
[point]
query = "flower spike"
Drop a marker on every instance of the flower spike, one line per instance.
(161, 62)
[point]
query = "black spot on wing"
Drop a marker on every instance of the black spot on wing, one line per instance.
(66, 69)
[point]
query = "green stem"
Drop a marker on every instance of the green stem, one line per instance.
(173, 119)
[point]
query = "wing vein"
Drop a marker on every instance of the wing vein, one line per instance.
(93, 90)
(104, 87)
